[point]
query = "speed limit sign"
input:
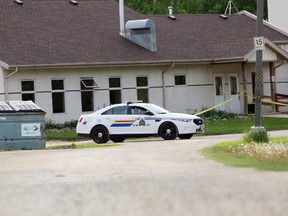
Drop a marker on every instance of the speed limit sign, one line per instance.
(259, 43)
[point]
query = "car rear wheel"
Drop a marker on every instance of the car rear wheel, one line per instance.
(168, 131)
(117, 139)
(185, 136)
(100, 134)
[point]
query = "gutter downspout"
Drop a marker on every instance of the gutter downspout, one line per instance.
(163, 83)
(6, 82)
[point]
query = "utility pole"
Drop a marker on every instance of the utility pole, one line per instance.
(259, 45)
(259, 71)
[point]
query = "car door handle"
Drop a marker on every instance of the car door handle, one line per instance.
(157, 120)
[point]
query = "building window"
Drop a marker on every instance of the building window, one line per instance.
(28, 93)
(87, 95)
(180, 80)
(58, 96)
(115, 90)
(142, 89)
(218, 85)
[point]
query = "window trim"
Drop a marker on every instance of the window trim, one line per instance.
(33, 92)
(87, 86)
(180, 75)
(59, 91)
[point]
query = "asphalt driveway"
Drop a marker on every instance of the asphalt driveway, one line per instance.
(152, 177)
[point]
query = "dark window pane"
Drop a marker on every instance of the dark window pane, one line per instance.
(142, 81)
(219, 85)
(180, 80)
(138, 111)
(114, 83)
(27, 85)
(28, 97)
(142, 94)
(87, 101)
(122, 110)
(57, 84)
(58, 102)
(115, 96)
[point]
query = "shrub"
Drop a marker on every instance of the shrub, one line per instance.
(215, 114)
(50, 124)
(256, 134)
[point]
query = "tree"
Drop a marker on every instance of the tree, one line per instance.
(192, 6)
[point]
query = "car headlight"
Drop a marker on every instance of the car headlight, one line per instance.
(198, 121)
(185, 120)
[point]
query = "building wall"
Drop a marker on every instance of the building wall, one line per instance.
(277, 13)
(196, 94)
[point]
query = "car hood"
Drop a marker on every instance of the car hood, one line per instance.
(179, 115)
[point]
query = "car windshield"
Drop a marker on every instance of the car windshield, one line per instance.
(157, 109)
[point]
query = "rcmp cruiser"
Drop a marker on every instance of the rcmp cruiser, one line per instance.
(120, 121)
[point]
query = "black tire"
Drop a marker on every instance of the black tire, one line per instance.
(100, 134)
(117, 139)
(185, 136)
(168, 131)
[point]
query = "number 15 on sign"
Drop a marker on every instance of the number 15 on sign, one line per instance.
(259, 43)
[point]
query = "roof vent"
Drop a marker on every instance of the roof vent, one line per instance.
(224, 17)
(142, 32)
(73, 2)
(171, 16)
(19, 2)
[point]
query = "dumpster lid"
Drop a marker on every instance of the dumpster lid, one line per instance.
(25, 106)
(4, 107)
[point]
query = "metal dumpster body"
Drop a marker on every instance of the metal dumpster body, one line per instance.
(22, 126)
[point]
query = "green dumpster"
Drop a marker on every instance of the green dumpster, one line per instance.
(22, 125)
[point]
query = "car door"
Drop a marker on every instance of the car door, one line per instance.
(117, 121)
(142, 123)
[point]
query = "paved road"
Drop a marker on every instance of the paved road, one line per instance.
(138, 178)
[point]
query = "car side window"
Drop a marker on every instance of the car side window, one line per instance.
(138, 110)
(121, 110)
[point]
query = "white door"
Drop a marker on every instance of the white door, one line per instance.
(219, 91)
(234, 105)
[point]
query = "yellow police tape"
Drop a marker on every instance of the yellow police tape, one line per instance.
(271, 102)
(227, 101)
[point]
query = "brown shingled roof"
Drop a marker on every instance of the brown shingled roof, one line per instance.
(48, 32)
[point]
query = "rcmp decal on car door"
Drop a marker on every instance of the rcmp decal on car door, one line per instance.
(122, 123)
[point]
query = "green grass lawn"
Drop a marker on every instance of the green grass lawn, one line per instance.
(243, 125)
(272, 156)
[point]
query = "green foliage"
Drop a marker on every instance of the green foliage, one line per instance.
(192, 6)
(218, 114)
(50, 124)
(256, 134)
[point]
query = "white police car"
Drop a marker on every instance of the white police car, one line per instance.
(120, 121)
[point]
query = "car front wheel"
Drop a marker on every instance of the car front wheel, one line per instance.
(168, 131)
(100, 134)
